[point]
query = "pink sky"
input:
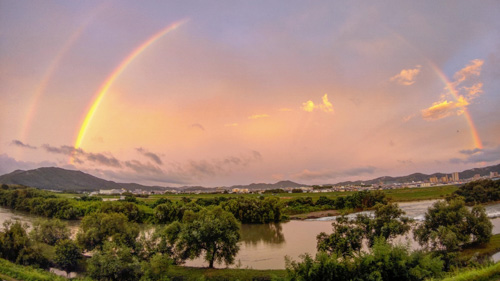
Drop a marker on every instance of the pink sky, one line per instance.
(245, 92)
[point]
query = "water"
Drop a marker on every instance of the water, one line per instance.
(264, 246)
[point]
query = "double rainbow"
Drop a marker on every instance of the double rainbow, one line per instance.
(115, 74)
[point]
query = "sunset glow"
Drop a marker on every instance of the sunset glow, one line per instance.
(224, 93)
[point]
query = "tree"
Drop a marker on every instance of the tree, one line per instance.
(345, 239)
(16, 246)
(97, 228)
(50, 231)
(156, 268)
(114, 262)
(450, 225)
(388, 222)
(212, 232)
(67, 255)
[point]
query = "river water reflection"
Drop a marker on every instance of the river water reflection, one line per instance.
(264, 246)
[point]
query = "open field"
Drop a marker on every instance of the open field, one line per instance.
(489, 248)
(396, 195)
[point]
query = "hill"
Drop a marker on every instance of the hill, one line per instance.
(485, 171)
(69, 180)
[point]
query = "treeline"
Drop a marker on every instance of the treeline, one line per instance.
(480, 191)
(448, 227)
(356, 201)
(162, 211)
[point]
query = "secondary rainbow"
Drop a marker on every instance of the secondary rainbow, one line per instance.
(451, 88)
(115, 74)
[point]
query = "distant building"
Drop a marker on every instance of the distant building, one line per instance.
(433, 180)
(444, 179)
(455, 177)
(493, 174)
(476, 177)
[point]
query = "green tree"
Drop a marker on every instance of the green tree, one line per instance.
(16, 246)
(345, 240)
(156, 268)
(68, 254)
(388, 222)
(449, 225)
(97, 228)
(212, 232)
(114, 262)
(50, 231)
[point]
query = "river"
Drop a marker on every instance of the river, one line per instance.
(264, 246)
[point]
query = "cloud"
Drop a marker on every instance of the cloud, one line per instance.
(470, 151)
(491, 154)
(409, 117)
(330, 174)
(445, 108)
(285, 109)
(155, 157)
(472, 69)
(141, 168)
(474, 90)
(464, 94)
(258, 116)
(231, 125)
(405, 162)
(214, 167)
(198, 126)
(78, 154)
(406, 76)
(326, 106)
(21, 144)
(9, 164)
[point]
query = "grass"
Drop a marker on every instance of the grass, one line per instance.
(12, 271)
(422, 193)
(487, 249)
(195, 273)
(488, 273)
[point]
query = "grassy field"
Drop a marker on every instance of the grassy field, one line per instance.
(12, 271)
(488, 273)
(194, 273)
(396, 195)
(484, 250)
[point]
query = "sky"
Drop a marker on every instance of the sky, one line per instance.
(218, 93)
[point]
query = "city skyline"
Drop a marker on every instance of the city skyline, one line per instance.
(229, 92)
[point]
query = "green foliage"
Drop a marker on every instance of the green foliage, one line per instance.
(50, 231)
(480, 191)
(68, 255)
(449, 226)
(388, 222)
(212, 232)
(16, 246)
(254, 210)
(27, 273)
(172, 211)
(345, 240)
(96, 228)
(385, 262)
(156, 268)
(114, 262)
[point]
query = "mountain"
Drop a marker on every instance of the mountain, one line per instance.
(485, 171)
(70, 180)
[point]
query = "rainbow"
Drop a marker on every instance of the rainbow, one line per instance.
(114, 75)
(448, 85)
(54, 65)
(451, 88)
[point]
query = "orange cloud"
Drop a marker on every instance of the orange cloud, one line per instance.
(285, 109)
(258, 116)
(445, 108)
(406, 76)
(326, 106)
(472, 69)
(231, 125)
(474, 90)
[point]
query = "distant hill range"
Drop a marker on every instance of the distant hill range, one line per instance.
(69, 180)
(485, 171)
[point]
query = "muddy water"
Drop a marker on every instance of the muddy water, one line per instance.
(264, 246)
